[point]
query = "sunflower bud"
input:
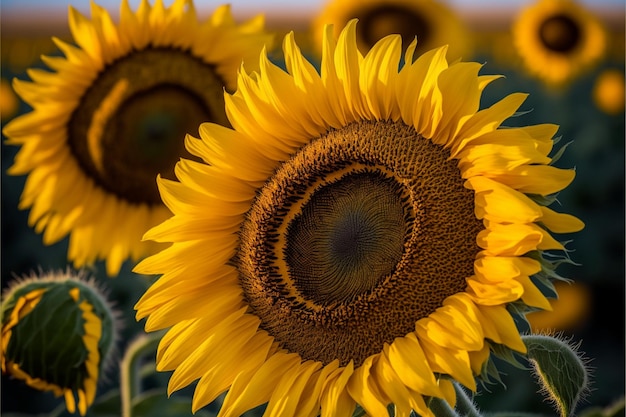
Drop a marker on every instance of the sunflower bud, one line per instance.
(57, 330)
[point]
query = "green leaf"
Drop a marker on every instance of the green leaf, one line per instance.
(559, 370)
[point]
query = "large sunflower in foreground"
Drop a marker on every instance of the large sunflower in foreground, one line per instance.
(114, 113)
(431, 21)
(356, 238)
(558, 40)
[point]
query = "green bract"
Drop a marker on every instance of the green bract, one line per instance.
(56, 333)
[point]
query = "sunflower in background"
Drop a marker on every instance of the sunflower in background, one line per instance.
(350, 241)
(113, 114)
(9, 103)
(569, 312)
(558, 40)
(432, 22)
(20, 52)
(609, 90)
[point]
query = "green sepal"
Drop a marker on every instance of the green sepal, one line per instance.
(544, 279)
(560, 152)
(559, 370)
(509, 355)
(359, 412)
(543, 200)
(489, 373)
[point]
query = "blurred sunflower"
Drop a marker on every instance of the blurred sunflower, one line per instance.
(9, 103)
(20, 51)
(114, 113)
(356, 238)
(558, 40)
(609, 90)
(570, 311)
(432, 22)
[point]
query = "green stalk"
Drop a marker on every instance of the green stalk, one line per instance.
(130, 382)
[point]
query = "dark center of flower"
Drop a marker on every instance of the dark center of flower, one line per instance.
(358, 235)
(560, 33)
(131, 122)
(377, 22)
(347, 237)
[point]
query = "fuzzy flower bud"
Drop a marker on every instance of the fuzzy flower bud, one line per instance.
(57, 330)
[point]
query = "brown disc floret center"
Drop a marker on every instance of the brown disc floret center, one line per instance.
(377, 22)
(131, 123)
(560, 33)
(357, 236)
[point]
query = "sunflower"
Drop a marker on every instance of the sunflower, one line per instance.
(434, 24)
(558, 40)
(355, 238)
(114, 113)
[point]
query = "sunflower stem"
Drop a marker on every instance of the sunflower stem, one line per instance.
(464, 404)
(129, 378)
(441, 408)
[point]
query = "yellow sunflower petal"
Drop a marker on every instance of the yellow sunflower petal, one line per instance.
(408, 360)
(504, 330)
(222, 374)
(501, 268)
(335, 400)
(495, 294)
(377, 81)
(560, 222)
(389, 382)
(515, 239)
(453, 362)
(248, 393)
(363, 388)
(287, 393)
(500, 203)
(310, 400)
(490, 119)
(532, 295)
